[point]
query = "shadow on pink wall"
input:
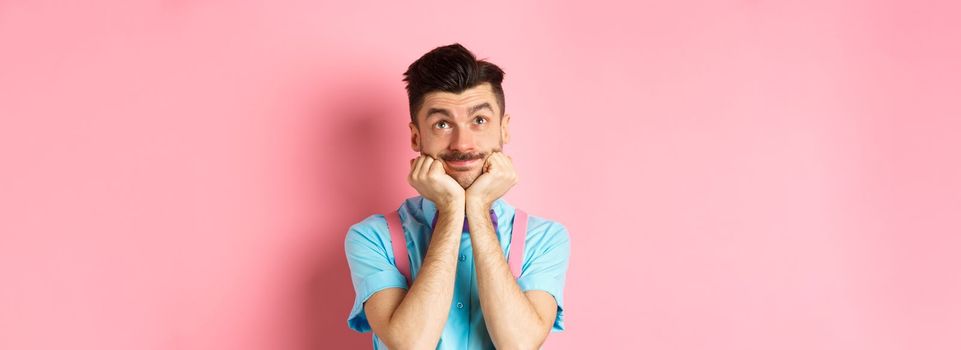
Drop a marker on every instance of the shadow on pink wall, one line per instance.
(352, 157)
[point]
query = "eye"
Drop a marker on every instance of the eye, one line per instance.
(441, 124)
(480, 120)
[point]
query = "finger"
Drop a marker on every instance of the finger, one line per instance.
(416, 169)
(425, 168)
(508, 167)
(497, 160)
(411, 171)
(436, 168)
(506, 161)
(513, 170)
(487, 162)
(504, 164)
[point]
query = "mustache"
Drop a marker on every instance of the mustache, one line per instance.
(459, 156)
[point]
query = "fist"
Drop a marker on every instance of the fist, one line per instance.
(428, 177)
(496, 179)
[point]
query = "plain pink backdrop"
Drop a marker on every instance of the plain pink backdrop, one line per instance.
(734, 174)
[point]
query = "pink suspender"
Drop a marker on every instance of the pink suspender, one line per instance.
(517, 245)
(399, 243)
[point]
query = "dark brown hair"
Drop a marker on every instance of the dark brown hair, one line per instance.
(453, 69)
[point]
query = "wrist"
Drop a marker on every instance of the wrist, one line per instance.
(452, 207)
(477, 205)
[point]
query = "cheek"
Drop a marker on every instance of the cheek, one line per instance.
(493, 139)
(431, 143)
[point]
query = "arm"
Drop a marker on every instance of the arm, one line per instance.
(414, 319)
(515, 320)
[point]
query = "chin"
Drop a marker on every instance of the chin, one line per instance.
(465, 181)
(465, 178)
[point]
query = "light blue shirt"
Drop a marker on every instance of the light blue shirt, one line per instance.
(371, 260)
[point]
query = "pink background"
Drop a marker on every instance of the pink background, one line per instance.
(734, 174)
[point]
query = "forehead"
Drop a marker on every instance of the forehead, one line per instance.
(460, 103)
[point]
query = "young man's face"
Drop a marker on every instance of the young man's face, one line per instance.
(461, 130)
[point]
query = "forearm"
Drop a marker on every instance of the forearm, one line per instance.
(420, 318)
(511, 319)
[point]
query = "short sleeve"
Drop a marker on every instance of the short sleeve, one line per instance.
(547, 254)
(372, 268)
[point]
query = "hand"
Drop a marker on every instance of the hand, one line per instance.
(497, 177)
(428, 177)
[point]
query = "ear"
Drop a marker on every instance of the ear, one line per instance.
(414, 137)
(505, 128)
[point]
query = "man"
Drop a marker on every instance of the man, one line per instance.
(458, 232)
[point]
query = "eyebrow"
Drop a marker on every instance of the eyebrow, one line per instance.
(447, 113)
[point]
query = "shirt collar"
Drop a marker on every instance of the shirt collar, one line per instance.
(502, 211)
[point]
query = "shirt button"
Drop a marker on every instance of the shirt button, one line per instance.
(462, 257)
(460, 305)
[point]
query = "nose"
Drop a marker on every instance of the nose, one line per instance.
(463, 140)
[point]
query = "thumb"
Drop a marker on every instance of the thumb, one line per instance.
(436, 167)
(488, 163)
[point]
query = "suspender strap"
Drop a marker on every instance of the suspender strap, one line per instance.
(399, 243)
(402, 260)
(515, 257)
